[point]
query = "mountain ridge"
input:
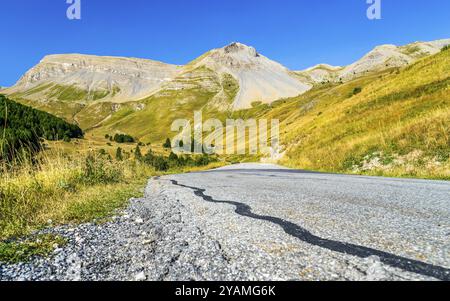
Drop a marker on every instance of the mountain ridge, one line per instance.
(381, 57)
(88, 78)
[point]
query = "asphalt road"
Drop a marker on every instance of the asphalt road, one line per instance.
(262, 222)
(326, 226)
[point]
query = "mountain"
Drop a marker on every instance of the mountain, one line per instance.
(236, 74)
(385, 114)
(260, 79)
(86, 78)
(106, 95)
(75, 77)
(381, 58)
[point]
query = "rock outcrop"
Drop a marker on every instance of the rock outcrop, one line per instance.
(381, 58)
(117, 79)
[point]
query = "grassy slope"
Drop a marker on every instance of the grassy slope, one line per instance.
(73, 104)
(153, 123)
(200, 86)
(398, 125)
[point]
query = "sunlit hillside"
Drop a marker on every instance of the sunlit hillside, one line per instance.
(394, 123)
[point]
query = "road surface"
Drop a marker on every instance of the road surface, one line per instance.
(263, 222)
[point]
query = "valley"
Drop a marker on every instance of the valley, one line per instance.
(385, 114)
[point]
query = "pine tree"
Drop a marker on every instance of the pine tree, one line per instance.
(138, 154)
(119, 156)
(167, 144)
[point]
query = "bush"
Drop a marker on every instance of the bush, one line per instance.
(99, 171)
(123, 138)
(445, 48)
(161, 163)
(357, 90)
(138, 153)
(203, 160)
(119, 156)
(167, 144)
(158, 162)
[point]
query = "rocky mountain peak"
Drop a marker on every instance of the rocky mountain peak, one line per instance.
(260, 79)
(236, 47)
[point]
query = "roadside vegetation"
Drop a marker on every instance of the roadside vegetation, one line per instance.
(62, 189)
(50, 177)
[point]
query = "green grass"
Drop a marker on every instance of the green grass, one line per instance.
(69, 102)
(67, 93)
(230, 86)
(73, 93)
(93, 114)
(22, 250)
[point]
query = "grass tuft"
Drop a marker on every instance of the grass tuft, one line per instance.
(22, 250)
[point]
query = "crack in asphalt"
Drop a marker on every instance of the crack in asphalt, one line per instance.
(409, 265)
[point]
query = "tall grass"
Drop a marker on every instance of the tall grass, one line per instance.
(397, 125)
(64, 189)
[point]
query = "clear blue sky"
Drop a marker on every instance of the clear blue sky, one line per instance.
(297, 33)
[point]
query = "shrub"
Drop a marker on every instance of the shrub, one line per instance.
(119, 156)
(445, 48)
(203, 160)
(357, 90)
(123, 138)
(138, 153)
(167, 144)
(160, 163)
(98, 171)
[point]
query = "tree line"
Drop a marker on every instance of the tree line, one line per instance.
(121, 138)
(22, 128)
(164, 163)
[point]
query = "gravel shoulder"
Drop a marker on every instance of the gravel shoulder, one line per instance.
(189, 227)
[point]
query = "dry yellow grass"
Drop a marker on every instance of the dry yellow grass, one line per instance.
(65, 189)
(399, 125)
(71, 183)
